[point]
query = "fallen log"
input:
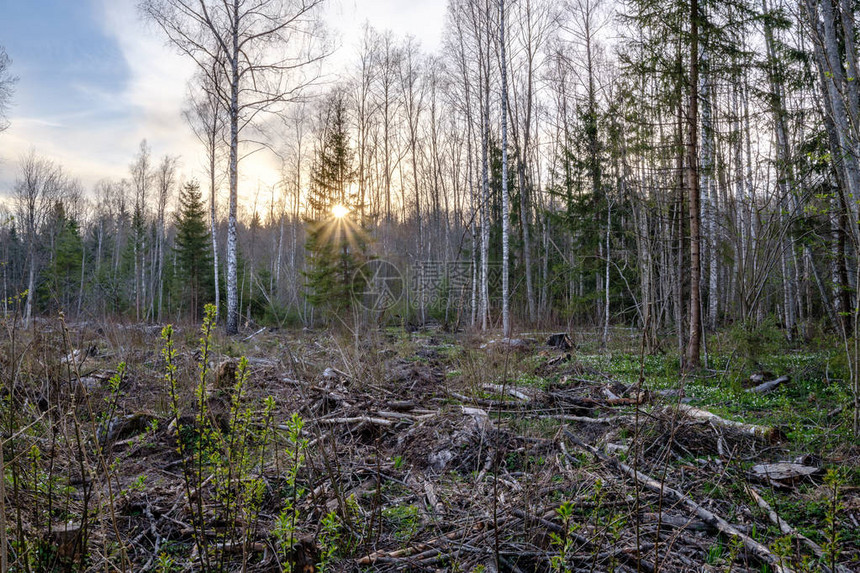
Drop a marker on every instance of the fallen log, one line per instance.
(784, 472)
(768, 387)
(519, 395)
(676, 521)
(352, 420)
(712, 519)
(767, 433)
(588, 420)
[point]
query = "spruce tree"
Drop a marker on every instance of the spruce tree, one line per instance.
(337, 242)
(63, 273)
(193, 257)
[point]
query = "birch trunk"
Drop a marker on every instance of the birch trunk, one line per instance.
(485, 185)
(708, 193)
(506, 313)
(232, 231)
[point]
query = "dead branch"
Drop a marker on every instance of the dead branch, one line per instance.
(768, 387)
(705, 515)
(767, 433)
(788, 529)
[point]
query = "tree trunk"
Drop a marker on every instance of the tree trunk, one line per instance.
(485, 186)
(232, 231)
(694, 344)
(708, 194)
(506, 314)
(606, 279)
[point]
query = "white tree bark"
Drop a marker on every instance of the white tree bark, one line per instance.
(506, 312)
(709, 195)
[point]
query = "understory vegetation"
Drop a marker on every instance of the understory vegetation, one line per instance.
(143, 448)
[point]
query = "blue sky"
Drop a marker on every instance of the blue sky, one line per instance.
(94, 80)
(64, 54)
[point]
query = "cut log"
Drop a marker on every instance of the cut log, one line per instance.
(560, 340)
(768, 387)
(767, 433)
(783, 471)
(334, 374)
(712, 519)
(123, 427)
(518, 394)
(65, 540)
(225, 374)
(354, 419)
(559, 359)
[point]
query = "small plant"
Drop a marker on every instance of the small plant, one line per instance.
(405, 520)
(328, 540)
(164, 563)
(232, 459)
(781, 547)
(833, 480)
(753, 340)
(111, 402)
(735, 547)
(285, 525)
(715, 553)
(563, 542)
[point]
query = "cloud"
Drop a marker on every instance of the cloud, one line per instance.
(128, 84)
(90, 118)
(157, 91)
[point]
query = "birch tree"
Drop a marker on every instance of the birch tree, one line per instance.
(207, 119)
(141, 179)
(36, 189)
(506, 313)
(7, 83)
(264, 49)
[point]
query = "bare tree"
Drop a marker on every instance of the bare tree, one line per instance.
(36, 189)
(141, 179)
(165, 181)
(7, 83)
(261, 48)
(208, 122)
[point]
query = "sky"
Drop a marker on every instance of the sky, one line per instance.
(94, 80)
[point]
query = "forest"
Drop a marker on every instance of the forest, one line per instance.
(575, 292)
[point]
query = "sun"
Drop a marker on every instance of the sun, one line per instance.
(339, 211)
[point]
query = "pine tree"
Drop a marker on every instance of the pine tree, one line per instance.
(337, 242)
(192, 247)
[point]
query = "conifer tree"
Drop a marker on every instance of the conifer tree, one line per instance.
(64, 271)
(193, 257)
(337, 242)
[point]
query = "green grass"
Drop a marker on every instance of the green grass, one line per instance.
(404, 519)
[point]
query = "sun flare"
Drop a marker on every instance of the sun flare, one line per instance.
(339, 211)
